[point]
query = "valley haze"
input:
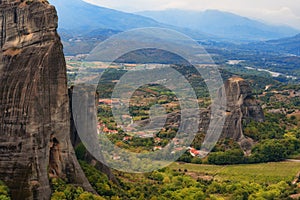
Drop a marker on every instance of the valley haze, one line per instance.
(275, 12)
(80, 17)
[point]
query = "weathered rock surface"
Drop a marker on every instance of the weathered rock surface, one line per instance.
(90, 129)
(35, 118)
(241, 108)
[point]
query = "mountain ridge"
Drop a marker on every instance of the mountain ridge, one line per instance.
(221, 23)
(91, 14)
(286, 45)
(101, 18)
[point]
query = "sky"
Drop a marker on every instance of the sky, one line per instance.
(272, 11)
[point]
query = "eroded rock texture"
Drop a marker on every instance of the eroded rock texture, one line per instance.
(88, 127)
(34, 104)
(241, 108)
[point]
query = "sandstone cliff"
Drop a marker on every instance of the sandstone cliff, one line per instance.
(34, 104)
(89, 127)
(241, 108)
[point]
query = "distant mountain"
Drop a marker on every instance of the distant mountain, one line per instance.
(288, 45)
(222, 24)
(77, 17)
(83, 25)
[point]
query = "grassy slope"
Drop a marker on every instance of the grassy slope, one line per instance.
(258, 173)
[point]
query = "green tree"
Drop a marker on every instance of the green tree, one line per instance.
(270, 151)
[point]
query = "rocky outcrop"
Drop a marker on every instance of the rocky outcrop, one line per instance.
(34, 119)
(91, 130)
(241, 108)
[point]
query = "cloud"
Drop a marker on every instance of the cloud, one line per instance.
(284, 15)
(276, 12)
(281, 16)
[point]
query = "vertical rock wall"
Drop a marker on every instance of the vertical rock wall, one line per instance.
(241, 108)
(34, 103)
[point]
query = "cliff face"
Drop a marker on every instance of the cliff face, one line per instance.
(34, 104)
(241, 108)
(89, 129)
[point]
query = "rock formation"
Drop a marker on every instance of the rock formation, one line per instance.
(34, 103)
(35, 117)
(90, 129)
(241, 108)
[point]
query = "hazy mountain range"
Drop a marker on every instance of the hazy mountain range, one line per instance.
(78, 16)
(288, 45)
(82, 26)
(222, 24)
(81, 18)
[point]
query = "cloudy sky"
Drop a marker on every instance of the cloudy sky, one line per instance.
(272, 11)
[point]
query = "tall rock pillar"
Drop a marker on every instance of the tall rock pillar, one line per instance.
(34, 105)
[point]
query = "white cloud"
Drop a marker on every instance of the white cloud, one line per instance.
(276, 12)
(284, 15)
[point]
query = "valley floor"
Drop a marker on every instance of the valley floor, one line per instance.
(270, 173)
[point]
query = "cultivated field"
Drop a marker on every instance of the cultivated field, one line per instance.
(258, 173)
